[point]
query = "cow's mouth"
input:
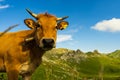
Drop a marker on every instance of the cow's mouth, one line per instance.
(47, 47)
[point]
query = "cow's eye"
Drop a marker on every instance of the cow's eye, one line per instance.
(38, 25)
(57, 27)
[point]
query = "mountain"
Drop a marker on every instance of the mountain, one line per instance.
(115, 54)
(65, 64)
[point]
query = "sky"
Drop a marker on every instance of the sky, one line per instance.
(93, 24)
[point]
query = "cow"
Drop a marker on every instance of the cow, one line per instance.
(21, 52)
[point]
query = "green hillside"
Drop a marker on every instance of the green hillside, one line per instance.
(115, 54)
(65, 64)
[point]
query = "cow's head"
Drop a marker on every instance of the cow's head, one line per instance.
(45, 26)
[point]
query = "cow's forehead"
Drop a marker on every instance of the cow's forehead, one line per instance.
(47, 19)
(46, 16)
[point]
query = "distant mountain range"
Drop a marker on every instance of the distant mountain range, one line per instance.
(65, 64)
(115, 54)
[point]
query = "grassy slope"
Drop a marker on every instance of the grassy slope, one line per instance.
(69, 65)
(115, 54)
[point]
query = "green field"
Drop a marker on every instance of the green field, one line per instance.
(64, 64)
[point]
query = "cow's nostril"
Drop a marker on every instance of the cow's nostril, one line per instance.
(48, 41)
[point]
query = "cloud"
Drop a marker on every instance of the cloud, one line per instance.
(112, 25)
(4, 6)
(62, 38)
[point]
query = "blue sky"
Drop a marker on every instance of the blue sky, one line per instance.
(93, 24)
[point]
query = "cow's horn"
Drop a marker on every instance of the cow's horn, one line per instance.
(29, 39)
(32, 14)
(62, 18)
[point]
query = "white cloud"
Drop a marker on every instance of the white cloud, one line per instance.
(4, 6)
(112, 25)
(62, 38)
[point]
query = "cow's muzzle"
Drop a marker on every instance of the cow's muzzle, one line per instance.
(48, 44)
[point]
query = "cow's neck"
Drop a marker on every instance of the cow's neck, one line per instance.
(34, 48)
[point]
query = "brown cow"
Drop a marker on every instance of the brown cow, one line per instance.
(21, 52)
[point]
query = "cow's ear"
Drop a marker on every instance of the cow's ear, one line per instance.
(62, 25)
(30, 23)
